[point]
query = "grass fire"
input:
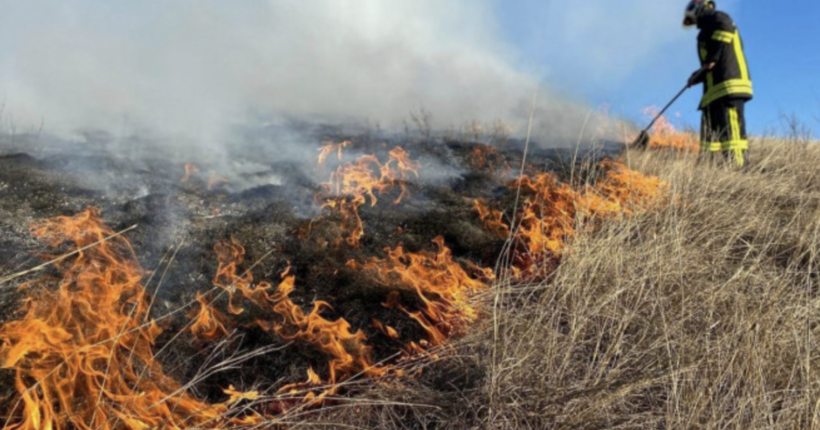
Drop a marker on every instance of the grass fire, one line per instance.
(334, 216)
(86, 347)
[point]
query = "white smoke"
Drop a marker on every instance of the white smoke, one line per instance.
(194, 67)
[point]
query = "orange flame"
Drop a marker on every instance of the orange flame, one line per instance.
(329, 147)
(666, 136)
(208, 322)
(552, 213)
(360, 178)
(485, 157)
(351, 228)
(190, 170)
(385, 329)
(81, 353)
(238, 396)
(353, 184)
(492, 219)
(630, 191)
(443, 286)
(348, 351)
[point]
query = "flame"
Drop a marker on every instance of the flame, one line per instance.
(351, 227)
(215, 181)
(666, 136)
(548, 213)
(329, 147)
(238, 396)
(347, 350)
(444, 288)
(485, 157)
(311, 386)
(400, 174)
(81, 352)
(492, 219)
(553, 212)
(208, 322)
(385, 329)
(367, 176)
(190, 170)
(353, 184)
(630, 191)
(358, 179)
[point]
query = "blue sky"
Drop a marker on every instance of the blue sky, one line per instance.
(780, 37)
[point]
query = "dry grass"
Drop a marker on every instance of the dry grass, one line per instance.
(701, 315)
(698, 315)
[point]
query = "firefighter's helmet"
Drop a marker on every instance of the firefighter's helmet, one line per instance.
(694, 10)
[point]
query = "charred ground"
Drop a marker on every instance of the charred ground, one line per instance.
(274, 214)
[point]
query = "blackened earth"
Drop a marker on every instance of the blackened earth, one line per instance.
(263, 209)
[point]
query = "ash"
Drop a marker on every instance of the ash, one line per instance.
(261, 192)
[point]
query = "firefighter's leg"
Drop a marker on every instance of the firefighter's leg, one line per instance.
(709, 134)
(734, 143)
(741, 146)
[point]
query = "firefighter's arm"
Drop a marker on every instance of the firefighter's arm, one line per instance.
(700, 75)
(721, 38)
(716, 46)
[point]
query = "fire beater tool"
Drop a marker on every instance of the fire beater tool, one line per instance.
(643, 139)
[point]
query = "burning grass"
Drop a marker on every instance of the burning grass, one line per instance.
(94, 338)
(667, 136)
(553, 212)
(82, 350)
(700, 313)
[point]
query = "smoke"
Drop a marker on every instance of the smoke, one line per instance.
(194, 67)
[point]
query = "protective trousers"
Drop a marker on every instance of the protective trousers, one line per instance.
(723, 130)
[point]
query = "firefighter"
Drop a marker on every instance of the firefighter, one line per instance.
(727, 85)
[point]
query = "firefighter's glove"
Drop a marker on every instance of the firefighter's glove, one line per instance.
(696, 77)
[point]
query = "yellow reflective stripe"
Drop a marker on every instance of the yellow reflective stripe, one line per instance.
(723, 89)
(711, 146)
(741, 57)
(741, 144)
(739, 157)
(734, 124)
(731, 145)
(723, 36)
(703, 54)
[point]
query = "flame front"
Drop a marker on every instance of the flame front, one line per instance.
(354, 184)
(666, 136)
(552, 212)
(82, 353)
(208, 323)
(367, 176)
(347, 350)
(443, 287)
(82, 349)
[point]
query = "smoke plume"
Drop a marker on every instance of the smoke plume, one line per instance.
(193, 68)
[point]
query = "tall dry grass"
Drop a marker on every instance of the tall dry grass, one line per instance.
(702, 314)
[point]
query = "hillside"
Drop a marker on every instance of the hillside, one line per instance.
(700, 314)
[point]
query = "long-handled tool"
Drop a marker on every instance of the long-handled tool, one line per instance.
(643, 139)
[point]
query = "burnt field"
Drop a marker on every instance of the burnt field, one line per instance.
(361, 258)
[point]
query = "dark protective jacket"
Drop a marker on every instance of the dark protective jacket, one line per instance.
(719, 42)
